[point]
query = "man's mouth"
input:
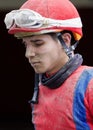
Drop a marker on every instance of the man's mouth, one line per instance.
(35, 63)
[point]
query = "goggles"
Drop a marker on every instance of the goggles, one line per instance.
(26, 18)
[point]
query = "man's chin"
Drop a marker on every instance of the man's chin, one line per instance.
(38, 71)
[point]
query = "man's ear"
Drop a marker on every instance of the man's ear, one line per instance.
(67, 38)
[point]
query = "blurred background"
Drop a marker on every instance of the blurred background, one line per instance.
(16, 74)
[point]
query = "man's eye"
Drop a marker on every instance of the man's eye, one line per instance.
(38, 43)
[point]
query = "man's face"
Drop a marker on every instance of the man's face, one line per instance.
(45, 54)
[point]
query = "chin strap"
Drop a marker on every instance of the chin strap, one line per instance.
(67, 49)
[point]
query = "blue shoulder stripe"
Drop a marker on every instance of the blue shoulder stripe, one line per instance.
(79, 110)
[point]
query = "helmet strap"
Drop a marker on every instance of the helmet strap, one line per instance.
(67, 49)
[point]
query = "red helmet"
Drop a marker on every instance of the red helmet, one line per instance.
(44, 16)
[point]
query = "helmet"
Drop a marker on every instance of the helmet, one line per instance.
(44, 16)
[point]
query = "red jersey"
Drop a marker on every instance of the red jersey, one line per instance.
(69, 107)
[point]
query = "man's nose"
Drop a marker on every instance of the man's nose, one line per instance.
(30, 51)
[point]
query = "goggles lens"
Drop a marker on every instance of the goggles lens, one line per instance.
(23, 18)
(27, 18)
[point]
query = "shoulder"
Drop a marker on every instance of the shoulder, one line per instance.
(86, 71)
(85, 79)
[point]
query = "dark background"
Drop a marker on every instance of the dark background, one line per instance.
(17, 76)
